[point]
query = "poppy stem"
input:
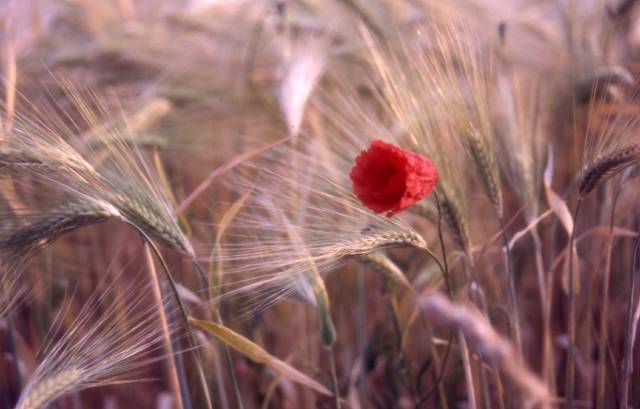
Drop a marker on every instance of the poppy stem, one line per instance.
(444, 268)
(461, 340)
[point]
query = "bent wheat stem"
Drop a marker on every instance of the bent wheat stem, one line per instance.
(175, 369)
(181, 307)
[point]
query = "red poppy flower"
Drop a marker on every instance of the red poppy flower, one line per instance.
(388, 179)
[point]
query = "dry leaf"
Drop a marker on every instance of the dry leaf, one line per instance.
(216, 270)
(561, 210)
(254, 352)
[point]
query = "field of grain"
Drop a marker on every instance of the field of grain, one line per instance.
(319, 204)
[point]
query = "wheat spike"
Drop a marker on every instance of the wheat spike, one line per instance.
(45, 227)
(487, 168)
(103, 165)
(92, 352)
(12, 160)
(50, 388)
(607, 166)
(377, 241)
(453, 217)
(380, 262)
(154, 223)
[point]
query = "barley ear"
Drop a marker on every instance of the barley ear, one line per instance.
(453, 217)
(381, 263)
(49, 388)
(485, 163)
(47, 227)
(607, 166)
(381, 240)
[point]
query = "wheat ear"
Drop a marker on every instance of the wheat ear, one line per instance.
(375, 241)
(485, 163)
(47, 227)
(50, 388)
(607, 166)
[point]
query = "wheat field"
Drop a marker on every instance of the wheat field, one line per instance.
(319, 204)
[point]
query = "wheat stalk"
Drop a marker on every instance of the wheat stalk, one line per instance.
(452, 215)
